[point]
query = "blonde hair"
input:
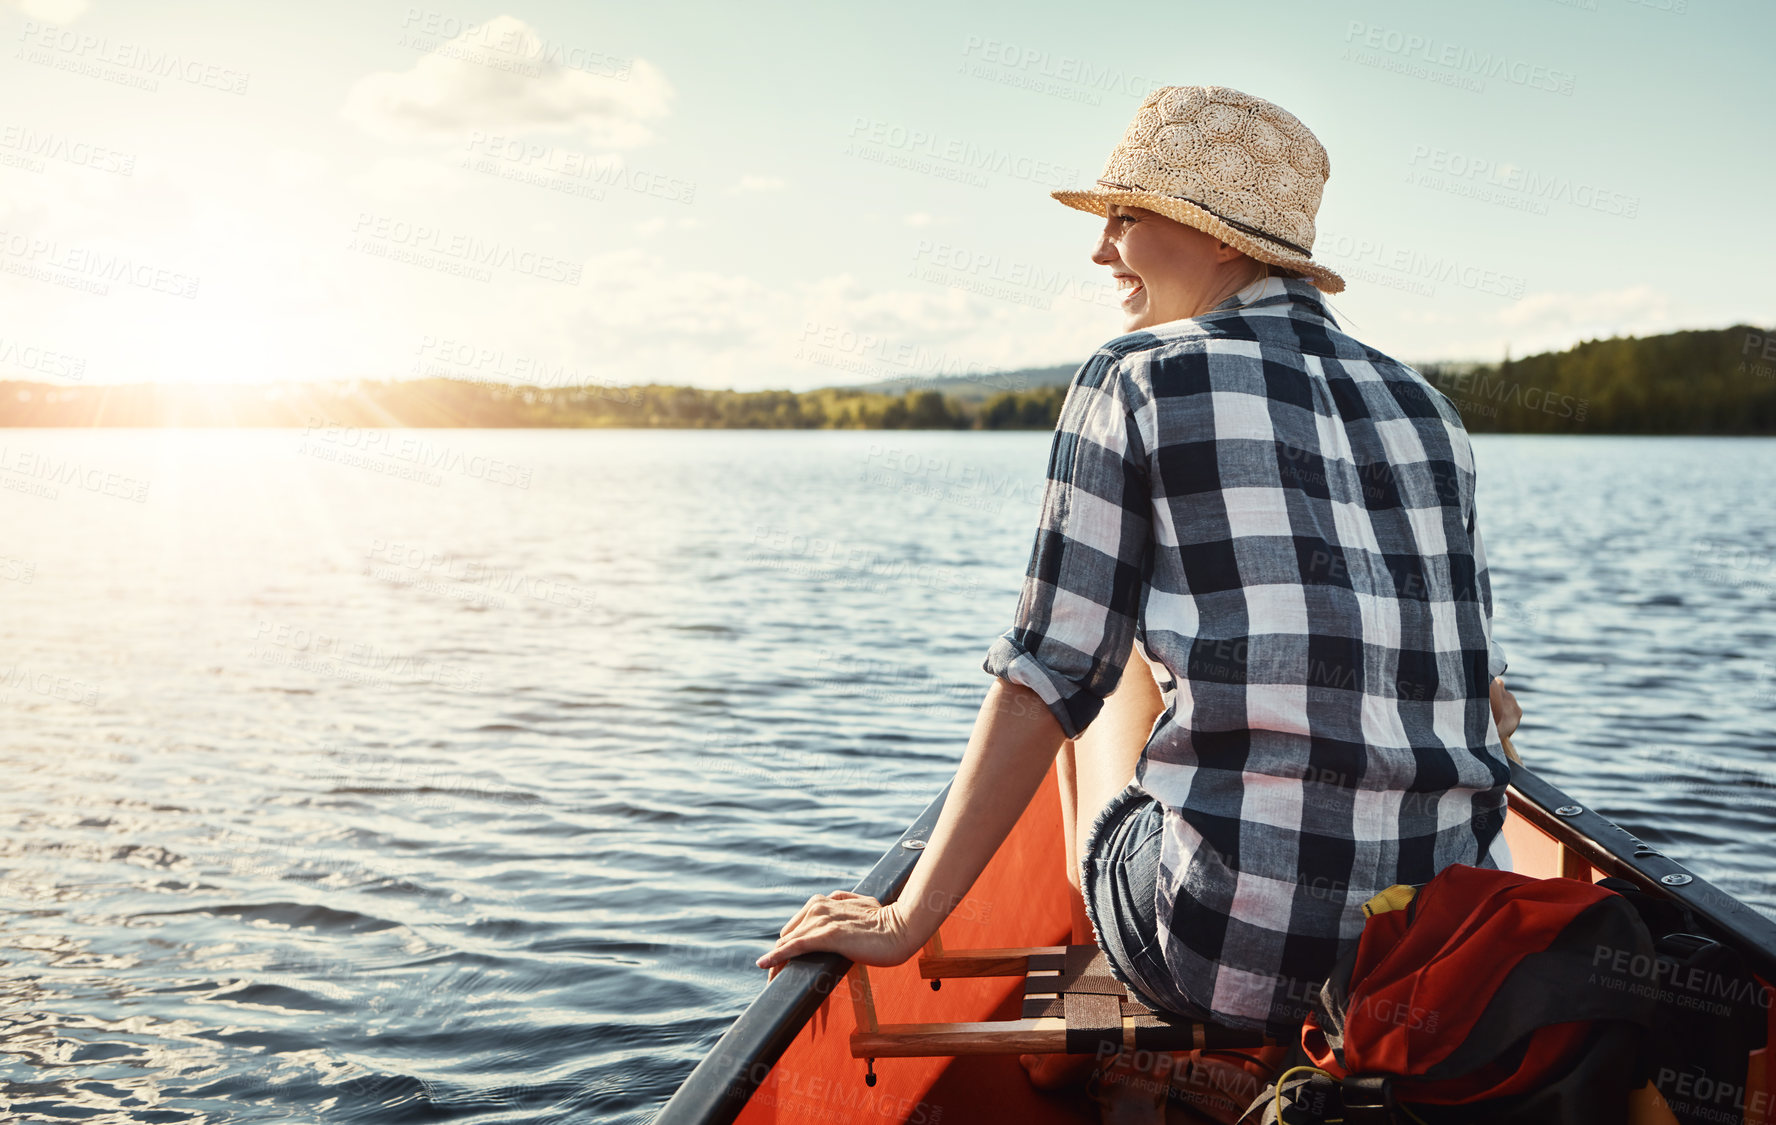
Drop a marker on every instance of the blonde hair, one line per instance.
(1266, 271)
(1270, 269)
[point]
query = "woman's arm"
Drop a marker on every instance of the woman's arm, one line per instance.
(1014, 742)
(1506, 714)
(1076, 620)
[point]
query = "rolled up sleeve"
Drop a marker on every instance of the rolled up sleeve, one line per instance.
(1080, 605)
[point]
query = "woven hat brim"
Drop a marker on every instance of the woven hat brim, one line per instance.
(1098, 200)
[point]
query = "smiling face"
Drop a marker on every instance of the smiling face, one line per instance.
(1166, 269)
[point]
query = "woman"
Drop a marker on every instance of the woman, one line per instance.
(1279, 521)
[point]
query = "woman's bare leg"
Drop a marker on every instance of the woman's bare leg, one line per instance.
(1091, 770)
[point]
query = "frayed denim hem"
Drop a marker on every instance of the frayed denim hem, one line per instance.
(1092, 867)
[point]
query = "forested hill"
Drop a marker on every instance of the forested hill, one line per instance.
(1715, 381)
(1711, 381)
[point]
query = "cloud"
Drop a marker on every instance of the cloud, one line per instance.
(1560, 318)
(638, 317)
(406, 178)
(647, 228)
(297, 165)
(759, 184)
(61, 12)
(1546, 321)
(481, 81)
(1562, 309)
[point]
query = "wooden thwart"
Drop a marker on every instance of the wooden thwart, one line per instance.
(1011, 962)
(1072, 1005)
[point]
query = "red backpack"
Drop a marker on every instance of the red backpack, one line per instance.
(1482, 996)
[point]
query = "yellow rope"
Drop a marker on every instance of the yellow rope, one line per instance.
(1276, 1103)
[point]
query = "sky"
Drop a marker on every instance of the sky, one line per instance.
(798, 195)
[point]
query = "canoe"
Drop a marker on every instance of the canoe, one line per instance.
(788, 1057)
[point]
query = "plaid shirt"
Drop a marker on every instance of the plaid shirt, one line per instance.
(1282, 519)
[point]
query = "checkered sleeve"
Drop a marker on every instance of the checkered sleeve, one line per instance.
(1081, 599)
(1495, 660)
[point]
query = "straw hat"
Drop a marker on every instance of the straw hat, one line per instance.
(1234, 166)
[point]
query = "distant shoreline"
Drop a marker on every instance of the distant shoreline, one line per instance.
(300, 430)
(1696, 382)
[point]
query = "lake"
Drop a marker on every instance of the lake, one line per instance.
(461, 775)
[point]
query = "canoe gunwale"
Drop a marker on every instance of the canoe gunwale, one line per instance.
(718, 1089)
(722, 1083)
(1614, 850)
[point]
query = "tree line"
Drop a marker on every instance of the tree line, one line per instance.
(1714, 381)
(436, 402)
(1709, 381)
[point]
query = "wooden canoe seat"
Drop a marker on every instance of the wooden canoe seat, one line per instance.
(1072, 1005)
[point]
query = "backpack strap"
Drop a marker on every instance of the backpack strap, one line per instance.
(1369, 1099)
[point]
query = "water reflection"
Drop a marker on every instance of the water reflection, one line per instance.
(335, 796)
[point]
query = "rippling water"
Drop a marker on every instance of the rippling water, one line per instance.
(462, 774)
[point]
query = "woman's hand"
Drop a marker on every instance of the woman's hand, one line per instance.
(854, 925)
(1505, 711)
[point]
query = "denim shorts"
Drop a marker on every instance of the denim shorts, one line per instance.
(1119, 876)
